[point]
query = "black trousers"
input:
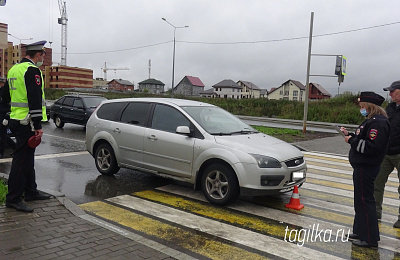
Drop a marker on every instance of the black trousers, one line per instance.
(4, 138)
(22, 175)
(365, 220)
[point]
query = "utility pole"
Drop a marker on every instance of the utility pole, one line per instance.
(308, 74)
(63, 21)
(149, 68)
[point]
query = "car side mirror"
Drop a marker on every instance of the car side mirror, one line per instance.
(183, 130)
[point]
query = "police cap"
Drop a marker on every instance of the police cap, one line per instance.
(371, 97)
(36, 46)
(395, 85)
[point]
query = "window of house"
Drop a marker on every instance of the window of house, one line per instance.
(295, 98)
(295, 93)
(281, 92)
(286, 92)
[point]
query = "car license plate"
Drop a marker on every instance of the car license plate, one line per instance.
(298, 175)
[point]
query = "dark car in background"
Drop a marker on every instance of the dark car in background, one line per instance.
(74, 109)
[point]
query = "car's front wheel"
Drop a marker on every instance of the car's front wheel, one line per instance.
(219, 184)
(58, 122)
(106, 163)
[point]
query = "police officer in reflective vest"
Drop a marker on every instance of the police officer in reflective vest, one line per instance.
(26, 96)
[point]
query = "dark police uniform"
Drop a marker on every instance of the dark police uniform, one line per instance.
(368, 148)
(4, 137)
(25, 92)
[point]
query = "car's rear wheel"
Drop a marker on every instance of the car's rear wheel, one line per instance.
(58, 122)
(219, 184)
(106, 163)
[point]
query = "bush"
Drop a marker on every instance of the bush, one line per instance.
(343, 109)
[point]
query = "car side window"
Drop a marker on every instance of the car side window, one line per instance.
(110, 111)
(167, 118)
(78, 103)
(68, 101)
(136, 113)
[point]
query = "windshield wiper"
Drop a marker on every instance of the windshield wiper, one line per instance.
(242, 132)
(221, 133)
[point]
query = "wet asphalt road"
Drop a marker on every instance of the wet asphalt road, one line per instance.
(63, 165)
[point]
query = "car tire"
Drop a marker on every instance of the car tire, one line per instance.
(58, 122)
(219, 184)
(105, 160)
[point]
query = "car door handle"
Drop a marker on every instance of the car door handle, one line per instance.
(152, 137)
(116, 130)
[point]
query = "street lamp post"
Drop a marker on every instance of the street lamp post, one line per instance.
(20, 42)
(173, 54)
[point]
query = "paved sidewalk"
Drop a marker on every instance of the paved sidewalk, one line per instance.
(58, 229)
(332, 145)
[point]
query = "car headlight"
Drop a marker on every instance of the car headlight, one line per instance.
(266, 162)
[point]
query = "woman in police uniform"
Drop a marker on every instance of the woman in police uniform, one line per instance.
(368, 148)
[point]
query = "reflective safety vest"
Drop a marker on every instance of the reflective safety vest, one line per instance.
(18, 93)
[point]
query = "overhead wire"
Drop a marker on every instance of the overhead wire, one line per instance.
(242, 42)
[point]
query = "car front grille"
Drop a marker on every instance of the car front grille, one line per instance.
(295, 162)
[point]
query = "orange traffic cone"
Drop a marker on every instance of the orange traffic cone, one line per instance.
(295, 200)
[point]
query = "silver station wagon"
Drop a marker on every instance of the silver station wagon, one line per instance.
(193, 142)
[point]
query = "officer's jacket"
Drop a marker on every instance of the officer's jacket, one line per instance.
(393, 112)
(370, 142)
(26, 92)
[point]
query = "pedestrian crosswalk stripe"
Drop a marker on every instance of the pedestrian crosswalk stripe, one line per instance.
(392, 182)
(276, 210)
(388, 194)
(189, 240)
(315, 159)
(229, 232)
(345, 193)
(326, 156)
(327, 195)
(389, 188)
(338, 203)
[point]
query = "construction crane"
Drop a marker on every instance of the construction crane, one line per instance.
(114, 69)
(63, 21)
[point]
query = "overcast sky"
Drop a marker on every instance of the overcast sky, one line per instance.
(265, 42)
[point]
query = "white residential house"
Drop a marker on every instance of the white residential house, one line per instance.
(249, 89)
(290, 90)
(227, 89)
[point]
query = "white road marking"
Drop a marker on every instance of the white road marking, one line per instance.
(245, 237)
(51, 156)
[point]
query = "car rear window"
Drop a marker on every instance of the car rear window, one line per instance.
(68, 101)
(93, 102)
(110, 111)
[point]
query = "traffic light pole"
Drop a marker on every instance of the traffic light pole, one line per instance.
(308, 74)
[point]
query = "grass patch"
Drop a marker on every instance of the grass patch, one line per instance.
(287, 135)
(3, 191)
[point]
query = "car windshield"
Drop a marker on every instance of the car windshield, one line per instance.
(217, 121)
(93, 101)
